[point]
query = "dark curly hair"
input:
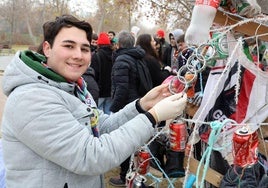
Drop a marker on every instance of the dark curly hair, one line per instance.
(52, 28)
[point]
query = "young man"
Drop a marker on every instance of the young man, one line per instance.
(111, 35)
(94, 43)
(171, 53)
(51, 122)
(160, 34)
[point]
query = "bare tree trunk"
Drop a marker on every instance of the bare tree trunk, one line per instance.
(29, 28)
(12, 23)
(26, 16)
(101, 22)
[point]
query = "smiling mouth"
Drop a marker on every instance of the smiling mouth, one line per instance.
(74, 65)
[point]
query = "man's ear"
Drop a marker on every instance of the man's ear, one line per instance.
(46, 48)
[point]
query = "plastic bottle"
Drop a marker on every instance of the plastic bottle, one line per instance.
(202, 18)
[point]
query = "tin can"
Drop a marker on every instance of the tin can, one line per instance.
(212, 3)
(130, 178)
(138, 181)
(143, 161)
(245, 145)
(221, 45)
(175, 86)
(177, 135)
(242, 7)
(223, 3)
(190, 78)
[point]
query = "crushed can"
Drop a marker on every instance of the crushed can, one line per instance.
(245, 145)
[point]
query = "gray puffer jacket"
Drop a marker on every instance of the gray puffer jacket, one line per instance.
(46, 134)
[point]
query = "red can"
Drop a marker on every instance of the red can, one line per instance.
(245, 145)
(143, 161)
(177, 135)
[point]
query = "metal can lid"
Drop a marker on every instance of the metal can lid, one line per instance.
(178, 120)
(243, 130)
(140, 178)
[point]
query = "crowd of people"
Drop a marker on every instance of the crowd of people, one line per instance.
(116, 75)
(119, 75)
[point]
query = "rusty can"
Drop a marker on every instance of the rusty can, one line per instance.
(143, 161)
(177, 135)
(245, 145)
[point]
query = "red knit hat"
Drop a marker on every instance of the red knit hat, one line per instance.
(160, 33)
(103, 39)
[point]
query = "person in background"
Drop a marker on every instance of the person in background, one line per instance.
(92, 85)
(158, 47)
(173, 165)
(111, 35)
(64, 140)
(102, 64)
(114, 44)
(170, 56)
(94, 44)
(153, 62)
(125, 85)
(160, 34)
(113, 40)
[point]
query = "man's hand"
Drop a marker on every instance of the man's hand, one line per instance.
(154, 96)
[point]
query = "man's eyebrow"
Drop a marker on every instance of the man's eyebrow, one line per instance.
(71, 41)
(68, 41)
(86, 45)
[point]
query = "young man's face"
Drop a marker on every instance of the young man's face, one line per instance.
(172, 40)
(94, 42)
(70, 55)
(111, 36)
(181, 46)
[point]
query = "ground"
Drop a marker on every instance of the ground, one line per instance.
(163, 183)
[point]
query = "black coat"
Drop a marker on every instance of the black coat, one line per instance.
(92, 86)
(124, 77)
(167, 56)
(101, 62)
(157, 75)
